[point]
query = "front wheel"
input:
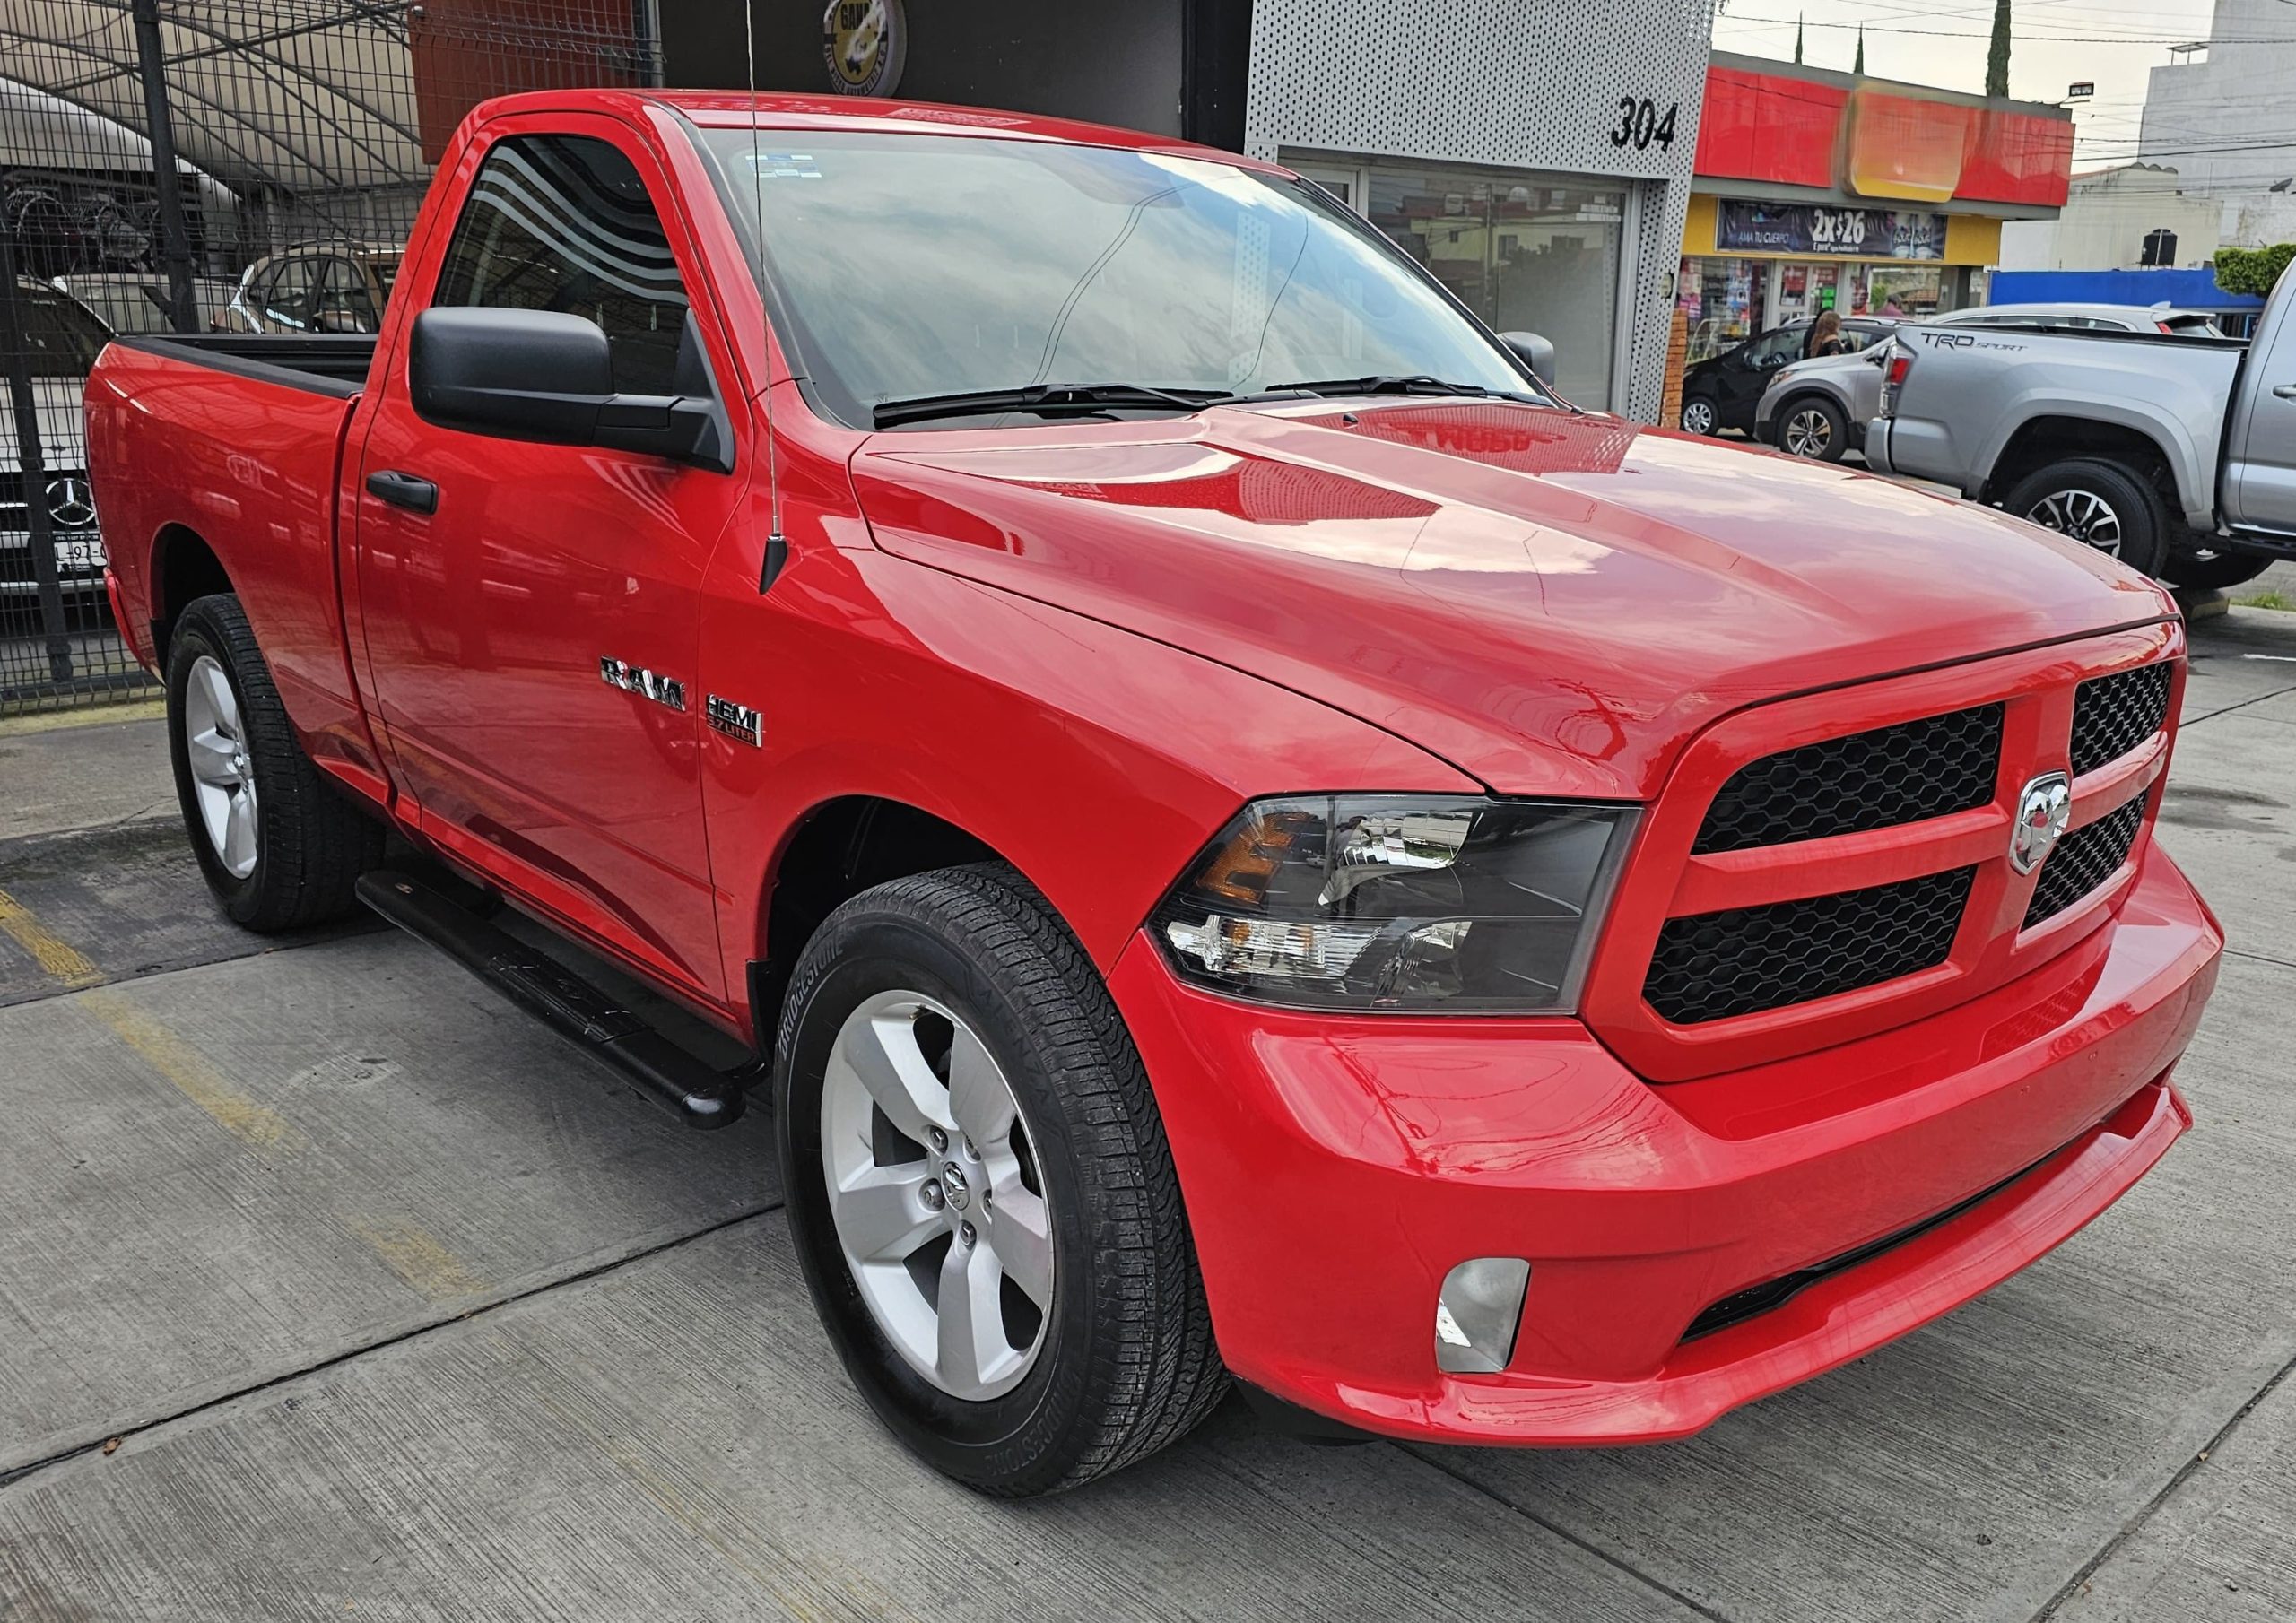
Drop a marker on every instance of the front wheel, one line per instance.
(279, 846)
(1699, 415)
(2100, 506)
(1813, 426)
(980, 1188)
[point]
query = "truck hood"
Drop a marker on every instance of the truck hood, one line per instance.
(1554, 602)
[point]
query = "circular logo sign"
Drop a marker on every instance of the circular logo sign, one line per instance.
(69, 502)
(863, 43)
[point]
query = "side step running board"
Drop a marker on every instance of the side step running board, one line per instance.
(561, 999)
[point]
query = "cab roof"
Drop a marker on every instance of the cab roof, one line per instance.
(735, 109)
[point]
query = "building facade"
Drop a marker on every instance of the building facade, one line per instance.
(2211, 116)
(2131, 216)
(1816, 190)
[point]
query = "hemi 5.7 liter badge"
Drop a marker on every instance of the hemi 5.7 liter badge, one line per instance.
(735, 720)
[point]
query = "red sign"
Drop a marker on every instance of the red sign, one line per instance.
(1878, 140)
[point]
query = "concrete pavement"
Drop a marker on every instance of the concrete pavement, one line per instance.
(402, 1310)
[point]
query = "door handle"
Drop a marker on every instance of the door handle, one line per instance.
(404, 491)
(2286, 391)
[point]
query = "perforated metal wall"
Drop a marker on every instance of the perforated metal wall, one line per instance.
(1534, 84)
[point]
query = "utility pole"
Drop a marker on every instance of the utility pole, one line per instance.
(1997, 61)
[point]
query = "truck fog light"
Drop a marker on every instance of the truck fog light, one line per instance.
(1477, 1314)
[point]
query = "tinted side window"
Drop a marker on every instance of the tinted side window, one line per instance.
(1774, 349)
(562, 223)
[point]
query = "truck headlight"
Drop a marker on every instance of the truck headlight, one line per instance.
(1403, 902)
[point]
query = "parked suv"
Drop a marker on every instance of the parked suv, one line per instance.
(316, 287)
(1721, 392)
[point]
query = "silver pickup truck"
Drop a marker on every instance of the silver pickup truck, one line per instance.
(2175, 454)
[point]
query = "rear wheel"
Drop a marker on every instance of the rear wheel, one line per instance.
(2099, 505)
(278, 846)
(1813, 426)
(980, 1188)
(2205, 566)
(1699, 415)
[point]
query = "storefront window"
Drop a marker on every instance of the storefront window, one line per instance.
(1526, 252)
(1913, 288)
(1725, 301)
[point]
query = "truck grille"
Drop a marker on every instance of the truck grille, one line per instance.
(1761, 922)
(1713, 965)
(2084, 860)
(1930, 768)
(2112, 714)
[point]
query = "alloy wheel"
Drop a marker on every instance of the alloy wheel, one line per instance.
(2081, 516)
(1808, 433)
(936, 1194)
(221, 771)
(1697, 416)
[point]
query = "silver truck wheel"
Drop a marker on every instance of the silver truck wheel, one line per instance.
(222, 774)
(2098, 504)
(2082, 516)
(935, 1195)
(979, 1189)
(278, 846)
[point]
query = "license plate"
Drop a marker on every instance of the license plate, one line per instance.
(80, 557)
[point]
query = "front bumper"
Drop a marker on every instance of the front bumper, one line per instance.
(1336, 1169)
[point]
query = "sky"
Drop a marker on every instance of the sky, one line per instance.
(1943, 42)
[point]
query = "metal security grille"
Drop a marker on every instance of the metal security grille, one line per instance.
(1878, 779)
(2084, 860)
(1714, 966)
(2112, 714)
(214, 165)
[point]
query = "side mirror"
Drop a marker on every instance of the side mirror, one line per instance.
(1533, 352)
(548, 377)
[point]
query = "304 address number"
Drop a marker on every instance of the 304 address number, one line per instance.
(1640, 124)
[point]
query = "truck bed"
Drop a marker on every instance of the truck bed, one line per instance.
(231, 445)
(333, 363)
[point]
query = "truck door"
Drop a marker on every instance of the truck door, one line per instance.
(2260, 470)
(533, 635)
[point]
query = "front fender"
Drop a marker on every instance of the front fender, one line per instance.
(1095, 760)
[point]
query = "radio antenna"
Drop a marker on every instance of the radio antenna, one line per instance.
(776, 546)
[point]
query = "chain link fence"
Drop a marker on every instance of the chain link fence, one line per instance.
(214, 165)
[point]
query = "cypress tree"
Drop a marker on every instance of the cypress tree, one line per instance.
(1997, 60)
(1860, 65)
(1797, 38)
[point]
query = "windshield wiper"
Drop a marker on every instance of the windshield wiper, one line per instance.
(1394, 383)
(1043, 397)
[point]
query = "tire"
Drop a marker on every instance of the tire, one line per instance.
(1701, 415)
(1121, 1360)
(2078, 498)
(2205, 565)
(305, 845)
(1812, 426)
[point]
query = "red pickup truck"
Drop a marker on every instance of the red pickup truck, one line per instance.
(1251, 838)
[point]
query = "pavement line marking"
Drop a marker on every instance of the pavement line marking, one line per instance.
(181, 1066)
(415, 1255)
(58, 720)
(57, 958)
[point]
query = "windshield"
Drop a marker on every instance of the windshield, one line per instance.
(61, 339)
(912, 266)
